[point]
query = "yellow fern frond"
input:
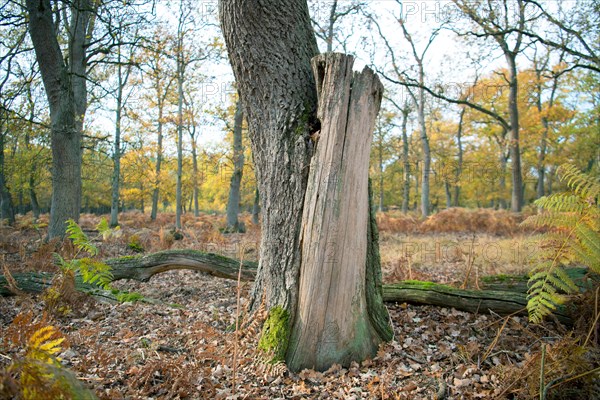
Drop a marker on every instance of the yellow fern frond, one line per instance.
(44, 343)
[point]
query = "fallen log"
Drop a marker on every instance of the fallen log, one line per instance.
(141, 268)
(473, 301)
(503, 295)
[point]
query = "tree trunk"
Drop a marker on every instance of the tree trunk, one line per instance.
(142, 203)
(123, 72)
(405, 161)
(65, 86)
(459, 164)
(255, 207)
(233, 202)
(514, 148)
(426, 162)
(6, 209)
(195, 182)
(416, 185)
(156, 190)
(502, 181)
(541, 169)
(448, 193)
(35, 206)
(33, 168)
(114, 208)
(277, 89)
(178, 189)
(331, 26)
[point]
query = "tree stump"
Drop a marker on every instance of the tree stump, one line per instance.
(332, 323)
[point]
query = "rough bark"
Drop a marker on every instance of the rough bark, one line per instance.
(332, 323)
(65, 85)
(233, 202)
(270, 44)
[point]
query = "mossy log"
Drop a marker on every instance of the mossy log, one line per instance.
(505, 294)
(473, 301)
(142, 268)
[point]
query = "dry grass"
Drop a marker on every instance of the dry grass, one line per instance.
(428, 257)
(454, 220)
(411, 248)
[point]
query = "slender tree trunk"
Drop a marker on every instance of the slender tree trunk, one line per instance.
(541, 162)
(502, 182)
(515, 152)
(380, 165)
(233, 203)
(35, 206)
(178, 189)
(142, 205)
(6, 208)
(541, 169)
(405, 161)
(459, 164)
(255, 208)
(551, 174)
(448, 194)
(416, 185)
(426, 151)
(331, 26)
(155, 192)
(114, 209)
(195, 183)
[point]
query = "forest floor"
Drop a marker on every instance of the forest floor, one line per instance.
(181, 341)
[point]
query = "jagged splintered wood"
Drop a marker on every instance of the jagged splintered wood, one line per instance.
(332, 323)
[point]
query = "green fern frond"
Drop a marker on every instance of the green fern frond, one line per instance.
(561, 202)
(103, 227)
(582, 184)
(94, 272)
(106, 231)
(551, 219)
(79, 238)
(58, 260)
(573, 220)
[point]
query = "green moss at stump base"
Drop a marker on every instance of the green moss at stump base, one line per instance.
(275, 336)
